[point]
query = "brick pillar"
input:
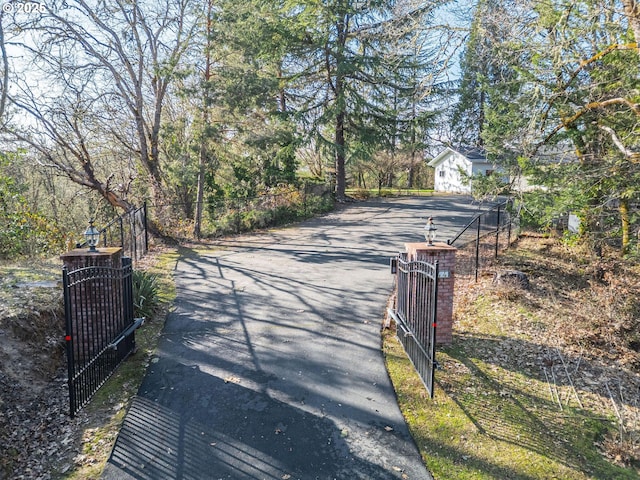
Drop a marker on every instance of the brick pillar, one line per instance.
(81, 257)
(95, 304)
(446, 257)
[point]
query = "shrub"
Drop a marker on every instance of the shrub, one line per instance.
(28, 233)
(256, 219)
(361, 194)
(230, 223)
(315, 204)
(280, 207)
(284, 214)
(145, 293)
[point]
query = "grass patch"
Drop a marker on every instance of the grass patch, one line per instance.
(25, 278)
(524, 392)
(479, 426)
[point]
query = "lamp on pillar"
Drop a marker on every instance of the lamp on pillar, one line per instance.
(92, 236)
(430, 231)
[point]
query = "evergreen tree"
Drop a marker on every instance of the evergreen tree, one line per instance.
(346, 74)
(575, 89)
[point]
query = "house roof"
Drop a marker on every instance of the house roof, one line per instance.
(474, 155)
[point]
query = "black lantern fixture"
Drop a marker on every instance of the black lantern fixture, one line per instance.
(430, 231)
(92, 236)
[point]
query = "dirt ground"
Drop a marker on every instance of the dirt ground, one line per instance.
(37, 436)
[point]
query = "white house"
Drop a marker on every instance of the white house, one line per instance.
(450, 162)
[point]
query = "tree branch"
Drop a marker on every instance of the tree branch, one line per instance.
(633, 157)
(590, 107)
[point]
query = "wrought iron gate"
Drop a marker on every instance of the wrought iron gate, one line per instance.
(100, 327)
(415, 314)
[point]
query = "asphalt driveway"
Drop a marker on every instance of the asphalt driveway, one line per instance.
(271, 367)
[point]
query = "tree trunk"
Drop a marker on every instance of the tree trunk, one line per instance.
(625, 222)
(282, 98)
(5, 73)
(341, 112)
(116, 200)
(632, 9)
(412, 161)
(197, 226)
(340, 158)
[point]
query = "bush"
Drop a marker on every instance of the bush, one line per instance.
(25, 233)
(316, 204)
(254, 219)
(145, 294)
(275, 209)
(361, 194)
(229, 223)
(285, 214)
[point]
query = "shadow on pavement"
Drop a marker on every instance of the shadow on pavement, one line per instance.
(258, 438)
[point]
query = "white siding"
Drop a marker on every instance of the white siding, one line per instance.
(481, 168)
(447, 175)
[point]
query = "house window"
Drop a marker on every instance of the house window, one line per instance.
(441, 173)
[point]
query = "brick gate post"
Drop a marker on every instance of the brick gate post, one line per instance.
(81, 257)
(446, 257)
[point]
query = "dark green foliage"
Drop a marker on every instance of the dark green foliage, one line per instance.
(553, 84)
(487, 186)
(145, 294)
(240, 216)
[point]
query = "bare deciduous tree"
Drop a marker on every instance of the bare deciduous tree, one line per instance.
(102, 74)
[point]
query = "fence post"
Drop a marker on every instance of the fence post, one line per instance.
(445, 256)
(127, 297)
(146, 230)
(121, 231)
(434, 331)
(304, 198)
(478, 249)
(495, 254)
(134, 236)
(511, 208)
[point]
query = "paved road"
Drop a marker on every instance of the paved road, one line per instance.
(270, 367)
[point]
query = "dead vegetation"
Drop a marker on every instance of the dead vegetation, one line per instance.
(35, 430)
(577, 329)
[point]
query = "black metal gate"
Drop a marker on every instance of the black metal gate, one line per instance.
(100, 327)
(415, 314)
